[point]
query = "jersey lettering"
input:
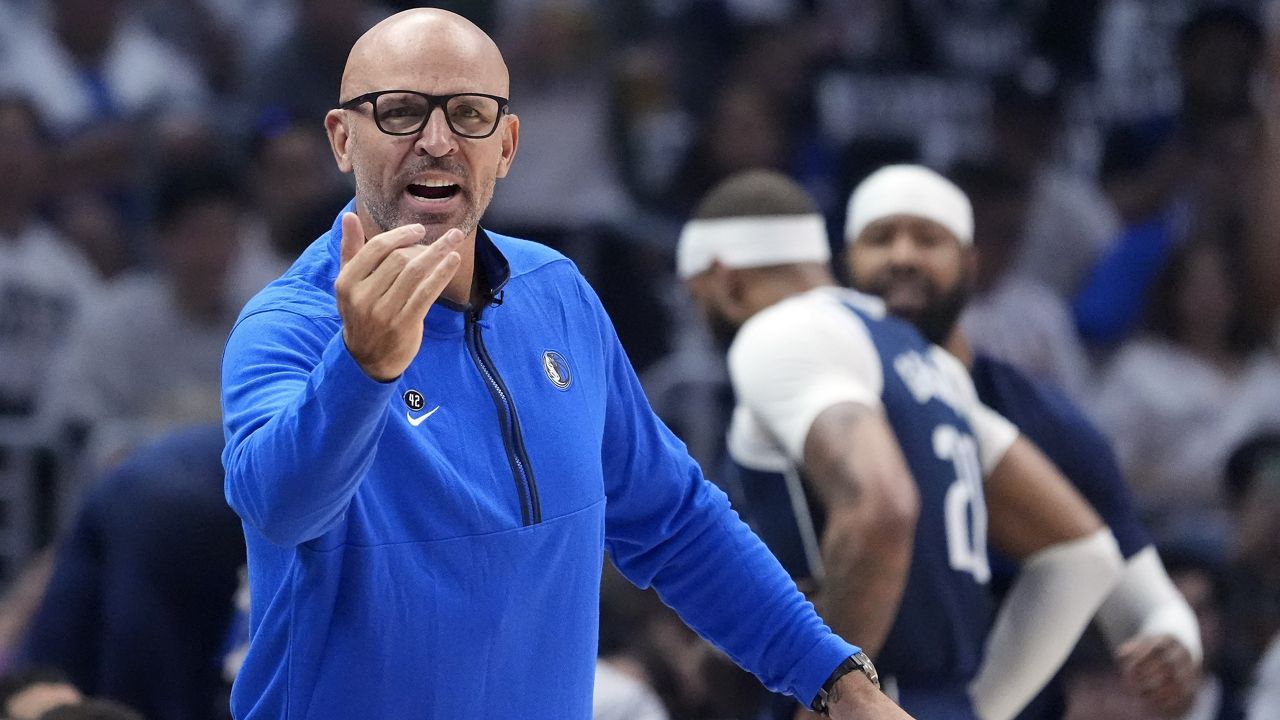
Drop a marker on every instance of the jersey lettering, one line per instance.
(965, 509)
(925, 380)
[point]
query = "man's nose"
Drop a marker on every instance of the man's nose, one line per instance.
(437, 138)
(904, 251)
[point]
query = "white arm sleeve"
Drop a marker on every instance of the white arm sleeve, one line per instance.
(795, 359)
(1056, 593)
(1145, 602)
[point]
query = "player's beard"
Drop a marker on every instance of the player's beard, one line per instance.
(938, 317)
(942, 309)
(383, 203)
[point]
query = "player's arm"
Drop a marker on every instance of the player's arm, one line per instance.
(812, 376)
(1155, 635)
(1153, 631)
(852, 460)
(1262, 240)
(304, 402)
(1070, 562)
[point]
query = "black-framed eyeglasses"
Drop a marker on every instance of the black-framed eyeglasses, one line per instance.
(405, 112)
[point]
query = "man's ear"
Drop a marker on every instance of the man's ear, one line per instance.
(510, 142)
(335, 124)
(733, 292)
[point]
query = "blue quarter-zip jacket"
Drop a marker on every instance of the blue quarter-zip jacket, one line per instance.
(431, 547)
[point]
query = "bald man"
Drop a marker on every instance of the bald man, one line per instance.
(434, 435)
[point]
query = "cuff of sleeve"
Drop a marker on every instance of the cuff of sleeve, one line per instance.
(816, 666)
(341, 375)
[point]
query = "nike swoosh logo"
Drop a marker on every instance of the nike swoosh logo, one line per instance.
(416, 421)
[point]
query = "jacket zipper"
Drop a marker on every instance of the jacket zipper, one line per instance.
(512, 438)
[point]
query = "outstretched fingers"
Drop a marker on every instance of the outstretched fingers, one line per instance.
(360, 259)
(429, 286)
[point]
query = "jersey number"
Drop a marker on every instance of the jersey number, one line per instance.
(965, 509)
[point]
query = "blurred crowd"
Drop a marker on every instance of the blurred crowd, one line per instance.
(162, 161)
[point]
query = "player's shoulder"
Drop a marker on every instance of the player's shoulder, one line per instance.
(817, 307)
(803, 329)
(950, 364)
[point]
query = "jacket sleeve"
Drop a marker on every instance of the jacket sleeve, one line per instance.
(668, 527)
(302, 421)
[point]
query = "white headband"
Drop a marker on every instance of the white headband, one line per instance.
(755, 241)
(909, 190)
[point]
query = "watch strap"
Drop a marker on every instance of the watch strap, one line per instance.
(857, 661)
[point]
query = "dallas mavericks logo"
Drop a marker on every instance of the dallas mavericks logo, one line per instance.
(557, 369)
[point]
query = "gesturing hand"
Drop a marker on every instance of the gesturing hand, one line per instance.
(1162, 671)
(385, 287)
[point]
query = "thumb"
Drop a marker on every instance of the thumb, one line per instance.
(352, 236)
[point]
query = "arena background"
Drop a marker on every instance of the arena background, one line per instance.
(163, 160)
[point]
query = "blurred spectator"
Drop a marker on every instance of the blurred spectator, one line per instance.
(645, 639)
(689, 389)
(566, 151)
(293, 188)
(872, 34)
(301, 78)
(1172, 177)
(652, 129)
(742, 129)
(102, 80)
(1253, 492)
(99, 229)
(18, 604)
(44, 281)
(1069, 222)
(46, 284)
(86, 62)
(1176, 400)
(229, 40)
(29, 693)
(147, 354)
(1143, 164)
(762, 115)
(140, 598)
(781, 60)
(1135, 54)
(1264, 231)
(480, 12)
(758, 114)
(984, 39)
(1013, 317)
(620, 696)
(1264, 700)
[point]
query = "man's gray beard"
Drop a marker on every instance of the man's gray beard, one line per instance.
(387, 215)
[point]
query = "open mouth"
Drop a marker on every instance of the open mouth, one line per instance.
(433, 191)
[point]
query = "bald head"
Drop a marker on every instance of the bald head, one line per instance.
(425, 49)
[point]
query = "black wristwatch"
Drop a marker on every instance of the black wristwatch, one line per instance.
(857, 661)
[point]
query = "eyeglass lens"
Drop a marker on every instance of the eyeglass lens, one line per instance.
(467, 115)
